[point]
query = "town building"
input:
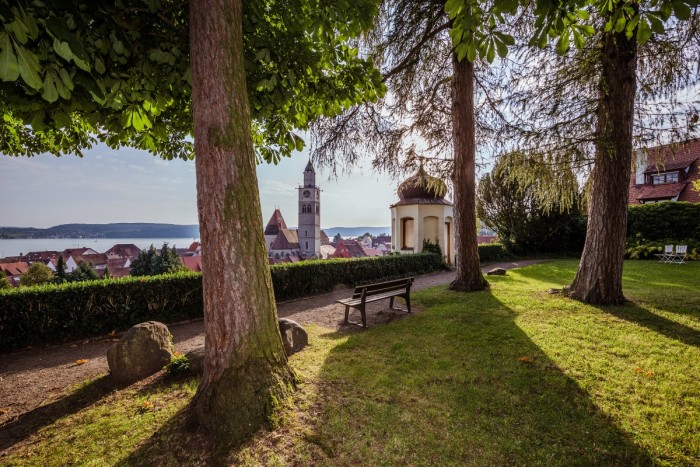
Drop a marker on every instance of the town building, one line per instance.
(666, 173)
(422, 213)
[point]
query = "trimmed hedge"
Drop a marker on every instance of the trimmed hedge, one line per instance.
(293, 280)
(60, 312)
(660, 221)
(492, 252)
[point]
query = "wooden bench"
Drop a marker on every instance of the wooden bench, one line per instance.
(364, 294)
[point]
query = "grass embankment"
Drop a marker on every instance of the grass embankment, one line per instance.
(508, 376)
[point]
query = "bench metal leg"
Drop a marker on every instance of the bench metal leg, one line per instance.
(408, 302)
(364, 317)
(347, 314)
(391, 303)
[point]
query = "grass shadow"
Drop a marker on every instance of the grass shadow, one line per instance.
(636, 314)
(459, 384)
(19, 428)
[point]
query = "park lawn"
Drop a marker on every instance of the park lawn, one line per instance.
(512, 375)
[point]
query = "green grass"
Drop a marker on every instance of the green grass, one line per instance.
(512, 375)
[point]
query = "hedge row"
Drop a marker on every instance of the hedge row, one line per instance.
(55, 313)
(660, 221)
(492, 252)
(58, 312)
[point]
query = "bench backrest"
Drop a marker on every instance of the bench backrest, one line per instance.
(681, 249)
(668, 249)
(383, 287)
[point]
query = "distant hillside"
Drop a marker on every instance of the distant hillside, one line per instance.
(121, 230)
(346, 232)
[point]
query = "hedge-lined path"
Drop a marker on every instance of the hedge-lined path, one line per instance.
(33, 381)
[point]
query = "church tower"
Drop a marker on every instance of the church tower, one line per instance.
(309, 230)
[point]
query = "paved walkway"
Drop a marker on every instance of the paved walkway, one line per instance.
(34, 377)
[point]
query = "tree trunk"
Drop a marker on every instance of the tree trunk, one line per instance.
(245, 371)
(599, 276)
(469, 277)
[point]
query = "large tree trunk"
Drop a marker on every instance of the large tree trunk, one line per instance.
(599, 276)
(245, 372)
(469, 277)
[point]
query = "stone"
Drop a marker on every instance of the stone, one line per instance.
(196, 359)
(294, 337)
(143, 350)
(496, 272)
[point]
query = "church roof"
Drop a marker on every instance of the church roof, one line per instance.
(275, 224)
(309, 167)
(422, 186)
(286, 240)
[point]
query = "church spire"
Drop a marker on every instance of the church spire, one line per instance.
(309, 167)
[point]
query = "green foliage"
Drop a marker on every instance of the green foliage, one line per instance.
(665, 220)
(74, 73)
(38, 273)
(639, 248)
(150, 263)
(179, 364)
(84, 272)
(525, 224)
(56, 312)
(293, 280)
(60, 275)
(430, 247)
(493, 252)
(4, 282)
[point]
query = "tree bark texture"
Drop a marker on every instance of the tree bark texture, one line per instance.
(469, 277)
(245, 373)
(599, 276)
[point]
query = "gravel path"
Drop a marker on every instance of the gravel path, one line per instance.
(35, 377)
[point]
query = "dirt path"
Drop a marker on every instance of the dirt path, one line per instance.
(36, 377)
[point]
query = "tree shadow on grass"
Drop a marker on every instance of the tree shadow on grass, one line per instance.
(671, 329)
(460, 383)
(24, 425)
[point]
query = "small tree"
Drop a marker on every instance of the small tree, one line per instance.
(84, 272)
(4, 282)
(60, 274)
(106, 274)
(38, 273)
(144, 264)
(337, 238)
(430, 247)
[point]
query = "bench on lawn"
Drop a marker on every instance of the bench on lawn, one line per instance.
(367, 293)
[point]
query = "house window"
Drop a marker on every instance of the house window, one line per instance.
(303, 208)
(307, 246)
(660, 179)
(407, 238)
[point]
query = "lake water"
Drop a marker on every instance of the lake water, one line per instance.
(15, 247)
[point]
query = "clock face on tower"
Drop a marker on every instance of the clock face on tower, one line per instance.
(307, 193)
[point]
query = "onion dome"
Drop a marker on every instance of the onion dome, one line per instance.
(422, 186)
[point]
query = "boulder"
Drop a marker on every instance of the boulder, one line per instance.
(496, 272)
(294, 336)
(196, 359)
(143, 350)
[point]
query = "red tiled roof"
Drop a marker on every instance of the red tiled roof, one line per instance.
(14, 269)
(125, 250)
(77, 251)
(43, 256)
(349, 249)
(194, 246)
(683, 158)
(193, 263)
(98, 259)
(275, 224)
(481, 239)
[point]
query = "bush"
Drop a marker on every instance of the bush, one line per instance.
(179, 364)
(639, 248)
(293, 280)
(492, 252)
(74, 310)
(667, 220)
(59, 312)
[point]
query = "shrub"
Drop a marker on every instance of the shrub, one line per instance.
(293, 280)
(492, 252)
(58, 312)
(74, 310)
(640, 248)
(38, 273)
(430, 247)
(179, 364)
(667, 220)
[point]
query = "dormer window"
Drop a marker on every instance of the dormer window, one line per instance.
(660, 179)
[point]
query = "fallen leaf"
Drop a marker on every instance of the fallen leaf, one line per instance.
(638, 370)
(4, 411)
(525, 359)
(649, 374)
(82, 361)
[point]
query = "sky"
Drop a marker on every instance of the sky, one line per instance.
(128, 185)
